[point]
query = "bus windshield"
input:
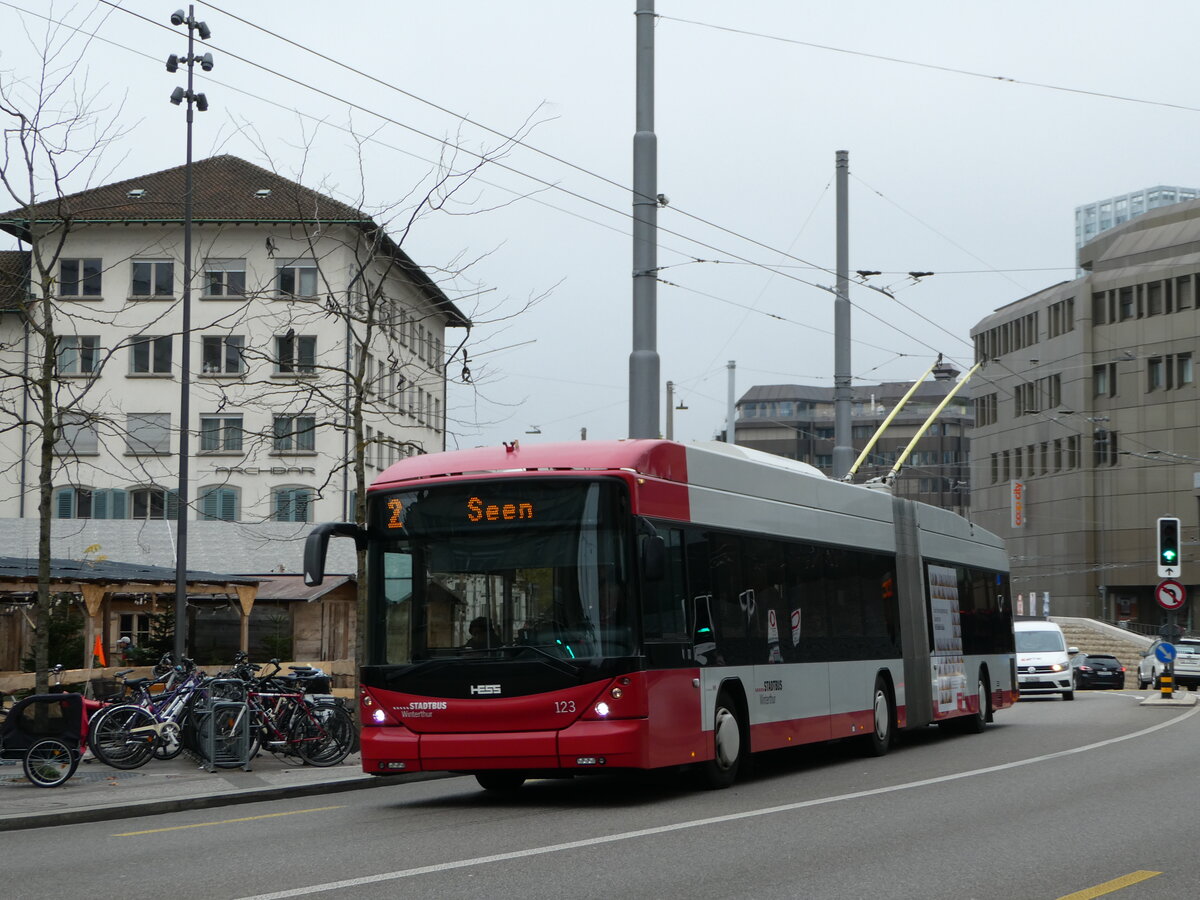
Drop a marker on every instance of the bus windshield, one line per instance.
(500, 569)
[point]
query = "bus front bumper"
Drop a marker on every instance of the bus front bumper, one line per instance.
(620, 743)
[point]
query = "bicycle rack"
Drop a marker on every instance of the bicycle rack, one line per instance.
(230, 748)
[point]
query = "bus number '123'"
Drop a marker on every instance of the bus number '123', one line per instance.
(477, 511)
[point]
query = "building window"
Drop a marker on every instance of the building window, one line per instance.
(223, 354)
(220, 434)
(153, 278)
(296, 279)
(153, 503)
(295, 354)
(291, 504)
(79, 278)
(219, 503)
(224, 278)
(1104, 380)
(1155, 374)
(295, 434)
(135, 626)
(1183, 292)
(1154, 298)
(148, 433)
(77, 436)
(79, 355)
(1183, 369)
(150, 355)
(86, 503)
(1125, 305)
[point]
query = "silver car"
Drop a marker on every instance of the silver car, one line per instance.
(1187, 665)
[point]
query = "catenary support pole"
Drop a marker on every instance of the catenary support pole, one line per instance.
(731, 404)
(670, 435)
(843, 448)
(643, 360)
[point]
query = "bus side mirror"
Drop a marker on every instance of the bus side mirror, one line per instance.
(654, 558)
(316, 547)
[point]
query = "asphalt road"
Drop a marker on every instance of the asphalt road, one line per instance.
(1054, 800)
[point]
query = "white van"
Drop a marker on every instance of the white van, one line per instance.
(1043, 659)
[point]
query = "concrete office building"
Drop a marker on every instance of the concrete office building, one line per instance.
(1093, 219)
(1086, 422)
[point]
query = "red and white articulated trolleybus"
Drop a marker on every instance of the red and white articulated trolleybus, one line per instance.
(565, 608)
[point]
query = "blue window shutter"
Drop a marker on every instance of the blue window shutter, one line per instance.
(172, 505)
(229, 505)
(208, 504)
(64, 503)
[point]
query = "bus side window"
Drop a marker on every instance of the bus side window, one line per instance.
(663, 600)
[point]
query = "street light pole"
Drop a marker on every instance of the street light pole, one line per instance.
(185, 358)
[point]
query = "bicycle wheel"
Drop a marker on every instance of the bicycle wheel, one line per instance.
(49, 763)
(329, 736)
(123, 736)
(170, 742)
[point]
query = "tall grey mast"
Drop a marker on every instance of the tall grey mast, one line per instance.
(643, 360)
(843, 449)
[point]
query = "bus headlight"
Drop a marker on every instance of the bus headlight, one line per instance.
(602, 709)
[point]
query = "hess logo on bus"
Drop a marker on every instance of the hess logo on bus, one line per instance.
(485, 689)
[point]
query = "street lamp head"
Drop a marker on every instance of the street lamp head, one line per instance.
(206, 62)
(201, 103)
(203, 30)
(177, 95)
(178, 17)
(173, 63)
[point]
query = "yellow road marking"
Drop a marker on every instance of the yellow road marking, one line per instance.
(1110, 886)
(228, 821)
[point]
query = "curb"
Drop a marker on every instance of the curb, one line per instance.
(112, 812)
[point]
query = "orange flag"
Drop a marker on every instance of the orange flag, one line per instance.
(98, 652)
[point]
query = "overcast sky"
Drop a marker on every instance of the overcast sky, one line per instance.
(973, 129)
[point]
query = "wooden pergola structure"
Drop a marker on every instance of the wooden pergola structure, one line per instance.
(95, 581)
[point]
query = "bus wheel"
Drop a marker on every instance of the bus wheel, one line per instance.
(883, 717)
(500, 781)
(977, 721)
(722, 770)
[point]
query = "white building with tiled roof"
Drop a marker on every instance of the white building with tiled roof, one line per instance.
(292, 292)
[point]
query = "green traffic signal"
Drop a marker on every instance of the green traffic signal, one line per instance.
(1168, 542)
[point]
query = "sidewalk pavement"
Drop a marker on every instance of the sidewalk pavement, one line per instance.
(97, 793)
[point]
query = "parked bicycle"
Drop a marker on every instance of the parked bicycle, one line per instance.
(148, 724)
(286, 717)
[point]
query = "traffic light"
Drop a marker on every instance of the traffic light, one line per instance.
(1168, 547)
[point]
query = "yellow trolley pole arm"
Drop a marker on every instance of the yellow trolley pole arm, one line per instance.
(891, 476)
(849, 476)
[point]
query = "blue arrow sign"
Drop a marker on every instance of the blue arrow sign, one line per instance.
(1164, 652)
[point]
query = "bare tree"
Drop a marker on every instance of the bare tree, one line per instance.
(55, 136)
(384, 393)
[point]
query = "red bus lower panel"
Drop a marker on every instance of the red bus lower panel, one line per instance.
(390, 750)
(520, 750)
(615, 744)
